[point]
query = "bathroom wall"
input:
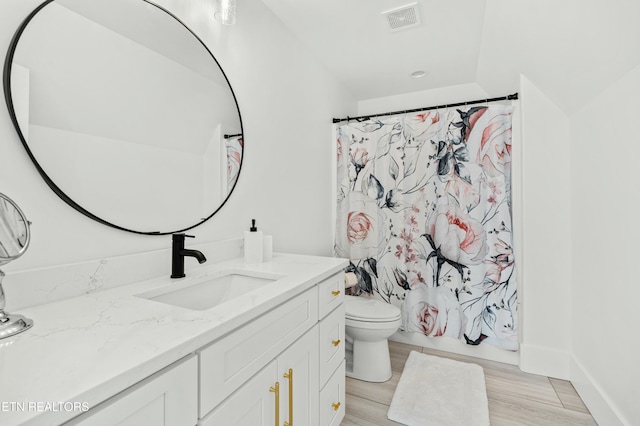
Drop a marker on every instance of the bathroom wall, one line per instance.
(287, 101)
(544, 249)
(605, 197)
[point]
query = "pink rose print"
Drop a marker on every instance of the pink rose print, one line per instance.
(358, 227)
(360, 157)
(428, 318)
(433, 311)
(500, 267)
(458, 236)
(361, 235)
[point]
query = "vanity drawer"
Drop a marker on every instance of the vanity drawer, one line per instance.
(229, 362)
(332, 343)
(330, 293)
(332, 399)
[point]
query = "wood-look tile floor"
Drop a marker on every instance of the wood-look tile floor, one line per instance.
(515, 397)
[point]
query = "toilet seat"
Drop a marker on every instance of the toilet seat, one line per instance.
(364, 309)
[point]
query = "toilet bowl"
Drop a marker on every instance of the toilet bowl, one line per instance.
(368, 325)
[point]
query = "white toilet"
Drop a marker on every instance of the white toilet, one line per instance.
(368, 325)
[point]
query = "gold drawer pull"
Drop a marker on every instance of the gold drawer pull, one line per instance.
(336, 292)
(289, 375)
(336, 342)
(336, 406)
(276, 389)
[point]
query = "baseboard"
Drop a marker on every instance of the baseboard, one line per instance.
(544, 361)
(456, 346)
(601, 408)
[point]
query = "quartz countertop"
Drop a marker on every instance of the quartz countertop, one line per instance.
(82, 351)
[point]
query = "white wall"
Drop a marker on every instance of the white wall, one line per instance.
(605, 150)
(544, 250)
(286, 100)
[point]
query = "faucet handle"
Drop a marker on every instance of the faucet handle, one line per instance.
(182, 235)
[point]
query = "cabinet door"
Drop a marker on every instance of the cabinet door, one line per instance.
(253, 404)
(231, 361)
(168, 398)
(332, 399)
(332, 343)
(298, 370)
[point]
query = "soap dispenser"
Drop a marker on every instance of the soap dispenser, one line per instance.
(253, 244)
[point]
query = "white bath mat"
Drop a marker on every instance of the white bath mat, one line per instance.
(437, 391)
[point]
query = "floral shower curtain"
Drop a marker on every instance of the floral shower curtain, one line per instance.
(424, 215)
(234, 147)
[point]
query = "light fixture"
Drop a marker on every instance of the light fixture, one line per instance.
(225, 11)
(418, 74)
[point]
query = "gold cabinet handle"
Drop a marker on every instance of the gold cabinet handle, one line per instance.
(289, 376)
(276, 389)
(336, 292)
(336, 406)
(336, 342)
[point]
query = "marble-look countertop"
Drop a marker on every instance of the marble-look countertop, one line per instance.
(86, 349)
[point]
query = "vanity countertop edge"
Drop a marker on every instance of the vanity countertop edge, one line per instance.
(89, 348)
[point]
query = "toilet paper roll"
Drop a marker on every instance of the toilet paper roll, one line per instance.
(350, 280)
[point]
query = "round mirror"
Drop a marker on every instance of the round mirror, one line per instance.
(14, 231)
(125, 113)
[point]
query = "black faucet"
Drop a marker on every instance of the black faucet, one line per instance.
(178, 254)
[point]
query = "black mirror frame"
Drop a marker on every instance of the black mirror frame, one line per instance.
(10, 107)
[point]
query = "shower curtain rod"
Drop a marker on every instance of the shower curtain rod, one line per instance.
(479, 101)
(232, 136)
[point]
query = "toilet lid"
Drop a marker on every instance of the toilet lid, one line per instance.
(364, 308)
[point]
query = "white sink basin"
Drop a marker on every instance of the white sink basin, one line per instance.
(207, 292)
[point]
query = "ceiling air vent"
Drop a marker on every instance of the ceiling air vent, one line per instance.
(402, 18)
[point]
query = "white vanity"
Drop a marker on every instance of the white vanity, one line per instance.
(272, 356)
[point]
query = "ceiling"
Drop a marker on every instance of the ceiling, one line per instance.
(570, 49)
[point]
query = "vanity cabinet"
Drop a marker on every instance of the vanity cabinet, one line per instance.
(167, 398)
(246, 378)
(285, 367)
